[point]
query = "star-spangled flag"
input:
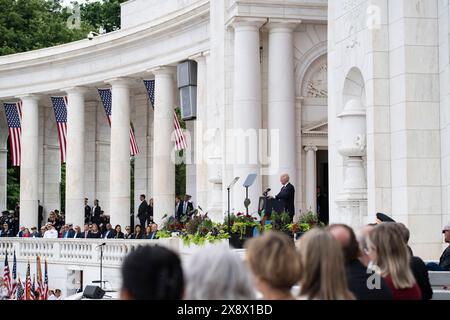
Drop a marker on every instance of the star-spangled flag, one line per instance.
(28, 284)
(180, 139)
(60, 108)
(19, 294)
(45, 292)
(40, 285)
(150, 86)
(106, 97)
(7, 275)
(13, 113)
(14, 277)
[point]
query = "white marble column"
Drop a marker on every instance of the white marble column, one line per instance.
(119, 177)
(281, 102)
(201, 167)
(163, 146)
(29, 169)
(3, 177)
(191, 166)
(243, 151)
(75, 163)
(311, 178)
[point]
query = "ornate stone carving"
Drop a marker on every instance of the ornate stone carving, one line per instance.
(317, 84)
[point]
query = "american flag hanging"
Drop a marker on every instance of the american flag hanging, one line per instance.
(28, 284)
(60, 108)
(180, 139)
(45, 291)
(13, 115)
(106, 97)
(14, 277)
(7, 275)
(40, 288)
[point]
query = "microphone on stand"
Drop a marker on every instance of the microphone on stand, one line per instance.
(266, 192)
(100, 245)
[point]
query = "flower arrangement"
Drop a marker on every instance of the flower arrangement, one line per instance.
(242, 223)
(198, 230)
(306, 222)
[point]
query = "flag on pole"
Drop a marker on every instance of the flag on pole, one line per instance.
(150, 86)
(13, 113)
(19, 295)
(45, 291)
(106, 97)
(33, 289)
(14, 277)
(7, 275)
(28, 283)
(60, 108)
(180, 139)
(39, 288)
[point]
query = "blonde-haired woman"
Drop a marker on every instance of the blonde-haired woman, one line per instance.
(322, 265)
(387, 251)
(275, 265)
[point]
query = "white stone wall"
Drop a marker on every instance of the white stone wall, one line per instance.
(91, 151)
(142, 117)
(444, 76)
(103, 139)
(136, 12)
(3, 158)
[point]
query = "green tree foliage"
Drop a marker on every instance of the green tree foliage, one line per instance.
(34, 24)
(105, 14)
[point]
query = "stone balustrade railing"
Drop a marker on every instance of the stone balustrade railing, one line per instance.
(79, 251)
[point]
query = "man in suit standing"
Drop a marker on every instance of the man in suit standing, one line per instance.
(96, 212)
(287, 195)
(143, 211)
(178, 207)
(40, 214)
(6, 232)
(87, 211)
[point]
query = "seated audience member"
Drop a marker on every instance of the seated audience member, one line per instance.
(41, 233)
(357, 273)
(418, 267)
(68, 233)
(20, 233)
(389, 253)
(58, 294)
(151, 231)
(85, 233)
(51, 295)
(279, 271)
(118, 232)
(51, 232)
(77, 234)
(152, 273)
(138, 234)
(95, 232)
(34, 233)
(109, 233)
(26, 233)
(218, 274)
(128, 233)
(444, 261)
(6, 232)
(322, 268)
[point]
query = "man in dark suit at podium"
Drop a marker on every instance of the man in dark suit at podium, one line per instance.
(287, 195)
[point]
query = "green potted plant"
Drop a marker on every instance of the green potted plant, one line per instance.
(306, 222)
(242, 227)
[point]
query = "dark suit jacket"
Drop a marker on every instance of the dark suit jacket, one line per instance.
(79, 235)
(119, 235)
(444, 261)
(8, 233)
(83, 234)
(189, 208)
(96, 217)
(93, 235)
(420, 272)
(70, 234)
(151, 235)
(110, 235)
(138, 236)
(357, 283)
(143, 210)
(87, 213)
(287, 197)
